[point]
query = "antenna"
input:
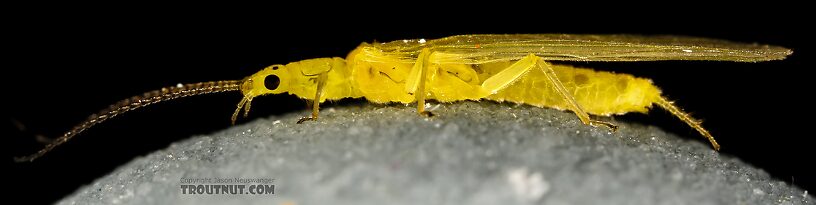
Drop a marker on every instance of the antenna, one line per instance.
(136, 102)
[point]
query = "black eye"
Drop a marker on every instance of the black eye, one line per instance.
(271, 82)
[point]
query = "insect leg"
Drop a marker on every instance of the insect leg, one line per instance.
(321, 86)
(415, 83)
(576, 108)
(509, 75)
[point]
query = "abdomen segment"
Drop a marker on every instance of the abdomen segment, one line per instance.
(598, 92)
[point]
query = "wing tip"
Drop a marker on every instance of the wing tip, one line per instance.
(776, 53)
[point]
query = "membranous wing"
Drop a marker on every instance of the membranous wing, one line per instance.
(477, 49)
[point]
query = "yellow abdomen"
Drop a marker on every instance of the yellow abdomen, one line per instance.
(598, 92)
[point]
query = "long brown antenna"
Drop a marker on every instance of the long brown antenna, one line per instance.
(136, 102)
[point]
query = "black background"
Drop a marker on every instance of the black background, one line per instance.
(59, 67)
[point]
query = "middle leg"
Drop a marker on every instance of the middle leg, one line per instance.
(415, 83)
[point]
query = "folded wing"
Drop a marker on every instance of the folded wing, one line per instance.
(477, 49)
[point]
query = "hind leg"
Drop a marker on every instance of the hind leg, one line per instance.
(509, 75)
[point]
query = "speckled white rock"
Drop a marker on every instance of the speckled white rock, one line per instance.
(471, 153)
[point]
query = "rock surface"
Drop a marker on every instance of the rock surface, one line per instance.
(470, 153)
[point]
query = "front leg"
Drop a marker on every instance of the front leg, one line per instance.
(321, 87)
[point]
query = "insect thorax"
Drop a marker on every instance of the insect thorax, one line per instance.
(304, 77)
(378, 77)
